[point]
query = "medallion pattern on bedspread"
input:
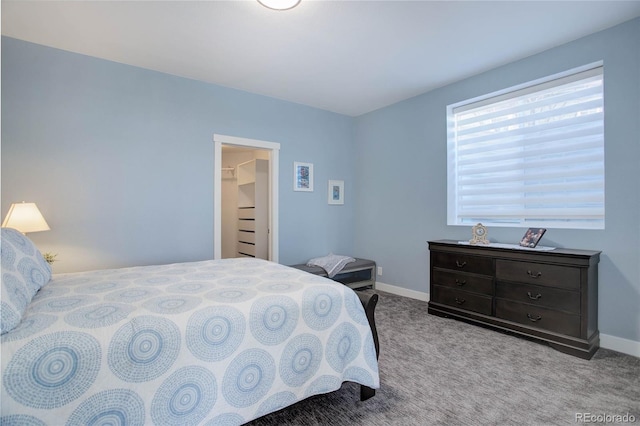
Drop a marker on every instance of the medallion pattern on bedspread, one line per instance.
(215, 342)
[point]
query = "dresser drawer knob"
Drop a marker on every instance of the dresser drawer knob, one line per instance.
(532, 275)
(534, 319)
(461, 283)
(532, 297)
(460, 301)
(460, 264)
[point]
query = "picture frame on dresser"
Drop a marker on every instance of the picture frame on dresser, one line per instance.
(532, 237)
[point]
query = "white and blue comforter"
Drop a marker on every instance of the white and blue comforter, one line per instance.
(217, 342)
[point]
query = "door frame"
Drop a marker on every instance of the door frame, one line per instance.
(274, 158)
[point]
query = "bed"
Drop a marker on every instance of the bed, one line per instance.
(216, 342)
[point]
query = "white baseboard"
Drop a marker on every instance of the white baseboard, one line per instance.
(401, 291)
(618, 344)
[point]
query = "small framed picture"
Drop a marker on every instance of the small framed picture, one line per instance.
(532, 236)
(336, 192)
(302, 176)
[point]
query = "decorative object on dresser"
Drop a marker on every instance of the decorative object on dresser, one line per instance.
(547, 295)
(532, 237)
(479, 234)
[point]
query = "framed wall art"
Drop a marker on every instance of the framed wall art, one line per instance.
(336, 192)
(302, 176)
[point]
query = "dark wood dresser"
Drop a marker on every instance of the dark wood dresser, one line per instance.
(550, 296)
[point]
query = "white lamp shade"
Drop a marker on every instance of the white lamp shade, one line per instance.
(279, 4)
(25, 217)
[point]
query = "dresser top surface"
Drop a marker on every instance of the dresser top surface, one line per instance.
(452, 245)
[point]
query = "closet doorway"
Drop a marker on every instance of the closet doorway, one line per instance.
(245, 198)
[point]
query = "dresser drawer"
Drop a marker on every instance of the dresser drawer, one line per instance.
(461, 299)
(466, 282)
(539, 317)
(554, 298)
(462, 262)
(539, 274)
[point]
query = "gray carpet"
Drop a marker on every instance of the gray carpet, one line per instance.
(442, 371)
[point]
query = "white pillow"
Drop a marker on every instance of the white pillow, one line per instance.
(24, 272)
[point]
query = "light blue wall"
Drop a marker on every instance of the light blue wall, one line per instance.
(401, 175)
(120, 160)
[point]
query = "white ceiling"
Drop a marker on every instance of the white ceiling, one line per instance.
(349, 57)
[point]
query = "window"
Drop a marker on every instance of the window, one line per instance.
(530, 156)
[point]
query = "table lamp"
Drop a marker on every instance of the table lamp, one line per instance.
(25, 217)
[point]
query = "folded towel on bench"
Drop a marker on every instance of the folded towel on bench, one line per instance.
(332, 263)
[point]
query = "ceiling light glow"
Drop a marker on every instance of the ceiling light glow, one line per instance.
(279, 4)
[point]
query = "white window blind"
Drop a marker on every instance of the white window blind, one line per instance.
(532, 156)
